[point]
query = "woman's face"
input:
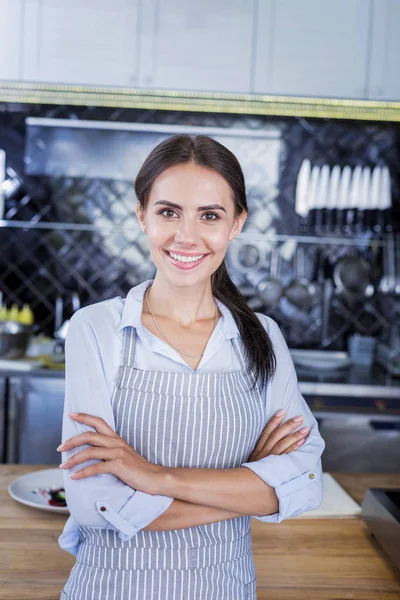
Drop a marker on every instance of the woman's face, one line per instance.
(189, 220)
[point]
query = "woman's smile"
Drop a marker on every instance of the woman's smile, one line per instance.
(185, 261)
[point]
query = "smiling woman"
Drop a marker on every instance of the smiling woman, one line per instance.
(172, 439)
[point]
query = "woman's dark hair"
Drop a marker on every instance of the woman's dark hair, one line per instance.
(206, 152)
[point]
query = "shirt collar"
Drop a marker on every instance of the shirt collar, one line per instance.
(132, 311)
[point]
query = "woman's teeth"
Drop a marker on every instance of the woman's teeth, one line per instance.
(186, 258)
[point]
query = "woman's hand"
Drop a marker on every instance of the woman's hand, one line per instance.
(278, 439)
(119, 458)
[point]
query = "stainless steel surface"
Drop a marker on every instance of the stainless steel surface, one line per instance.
(360, 443)
(351, 390)
(14, 339)
(34, 419)
(114, 150)
(3, 382)
(382, 516)
(12, 418)
(51, 123)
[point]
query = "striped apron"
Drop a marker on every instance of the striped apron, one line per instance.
(203, 420)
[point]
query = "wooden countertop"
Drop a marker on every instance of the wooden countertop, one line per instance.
(302, 559)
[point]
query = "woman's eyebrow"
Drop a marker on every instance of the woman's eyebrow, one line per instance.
(173, 205)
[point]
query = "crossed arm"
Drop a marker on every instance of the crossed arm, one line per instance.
(199, 495)
(140, 495)
(213, 495)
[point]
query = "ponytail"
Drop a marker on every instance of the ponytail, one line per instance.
(257, 344)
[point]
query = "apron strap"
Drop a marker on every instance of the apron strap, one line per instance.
(128, 347)
(238, 349)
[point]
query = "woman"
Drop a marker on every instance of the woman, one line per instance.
(173, 442)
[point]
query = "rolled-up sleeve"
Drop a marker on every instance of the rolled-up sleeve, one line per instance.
(297, 476)
(101, 501)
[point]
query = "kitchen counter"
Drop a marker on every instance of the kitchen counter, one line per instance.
(323, 559)
(355, 381)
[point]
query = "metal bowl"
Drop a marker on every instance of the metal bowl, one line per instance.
(14, 339)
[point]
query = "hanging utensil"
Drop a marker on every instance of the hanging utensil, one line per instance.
(332, 199)
(352, 278)
(61, 330)
(300, 291)
(312, 195)
(321, 197)
(387, 199)
(302, 198)
(343, 199)
(364, 198)
(373, 216)
(271, 289)
(354, 198)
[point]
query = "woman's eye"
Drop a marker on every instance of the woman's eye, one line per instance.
(213, 216)
(166, 210)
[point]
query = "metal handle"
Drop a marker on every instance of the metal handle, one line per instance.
(15, 400)
(59, 310)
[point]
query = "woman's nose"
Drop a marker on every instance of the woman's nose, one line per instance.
(187, 233)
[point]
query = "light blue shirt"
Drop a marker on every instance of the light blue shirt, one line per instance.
(93, 353)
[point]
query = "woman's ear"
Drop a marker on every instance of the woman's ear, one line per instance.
(140, 215)
(238, 225)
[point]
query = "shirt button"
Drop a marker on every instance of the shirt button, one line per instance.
(103, 508)
(311, 475)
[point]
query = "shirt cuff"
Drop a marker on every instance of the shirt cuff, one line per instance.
(292, 487)
(137, 513)
(69, 539)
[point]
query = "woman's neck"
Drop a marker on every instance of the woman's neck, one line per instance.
(185, 305)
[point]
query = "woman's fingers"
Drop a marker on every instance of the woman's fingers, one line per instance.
(97, 469)
(89, 437)
(99, 453)
(97, 423)
(290, 443)
(284, 431)
(272, 425)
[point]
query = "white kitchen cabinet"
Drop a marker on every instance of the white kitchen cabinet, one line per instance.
(10, 39)
(312, 48)
(199, 46)
(384, 75)
(92, 42)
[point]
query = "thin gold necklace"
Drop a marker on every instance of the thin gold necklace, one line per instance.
(163, 334)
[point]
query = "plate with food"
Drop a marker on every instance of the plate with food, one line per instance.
(42, 489)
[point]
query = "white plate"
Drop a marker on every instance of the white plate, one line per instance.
(22, 489)
(320, 360)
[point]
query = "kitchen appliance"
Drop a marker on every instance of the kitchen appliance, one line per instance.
(34, 419)
(14, 339)
(3, 406)
(380, 510)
